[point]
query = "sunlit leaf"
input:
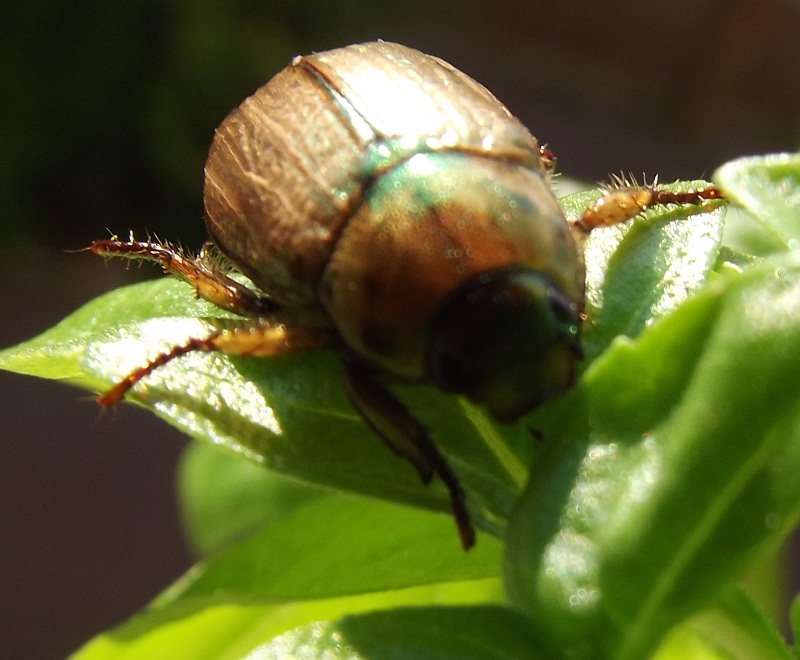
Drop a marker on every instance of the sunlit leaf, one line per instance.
(769, 188)
(678, 465)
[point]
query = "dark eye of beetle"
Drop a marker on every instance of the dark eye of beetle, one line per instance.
(507, 339)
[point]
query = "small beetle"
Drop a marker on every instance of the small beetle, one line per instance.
(386, 204)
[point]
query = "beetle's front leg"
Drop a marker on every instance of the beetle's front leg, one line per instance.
(398, 428)
(624, 199)
(258, 338)
(201, 272)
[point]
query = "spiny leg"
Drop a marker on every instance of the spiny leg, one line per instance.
(393, 422)
(625, 199)
(252, 339)
(201, 272)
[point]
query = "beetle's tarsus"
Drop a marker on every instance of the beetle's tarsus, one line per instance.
(114, 395)
(118, 392)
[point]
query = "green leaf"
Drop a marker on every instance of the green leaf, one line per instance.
(769, 188)
(212, 629)
(737, 627)
(330, 557)
(336, 546)
(482, 633)
(669, 467)
(224, 498)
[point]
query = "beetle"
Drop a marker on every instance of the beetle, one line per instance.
(385, 204)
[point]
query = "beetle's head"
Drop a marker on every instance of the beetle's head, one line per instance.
(507, 339)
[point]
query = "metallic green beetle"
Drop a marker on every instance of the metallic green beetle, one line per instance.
(387, 204)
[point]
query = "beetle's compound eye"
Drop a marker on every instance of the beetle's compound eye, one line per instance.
(507, 339)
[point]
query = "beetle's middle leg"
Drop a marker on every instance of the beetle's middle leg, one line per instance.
(398, 428)
(202, 272)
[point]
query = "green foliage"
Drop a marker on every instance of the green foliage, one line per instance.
(662, 476)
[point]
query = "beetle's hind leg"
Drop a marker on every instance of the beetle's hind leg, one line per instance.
(398, 428)
(624, 198)
(202, 272)
(257, 338)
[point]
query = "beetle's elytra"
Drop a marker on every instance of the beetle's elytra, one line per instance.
(386, 204)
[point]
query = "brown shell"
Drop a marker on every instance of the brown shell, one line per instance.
(287, 169)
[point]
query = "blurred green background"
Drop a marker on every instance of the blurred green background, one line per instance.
(106, 111)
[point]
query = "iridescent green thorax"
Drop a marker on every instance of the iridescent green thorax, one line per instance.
(425, 228)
